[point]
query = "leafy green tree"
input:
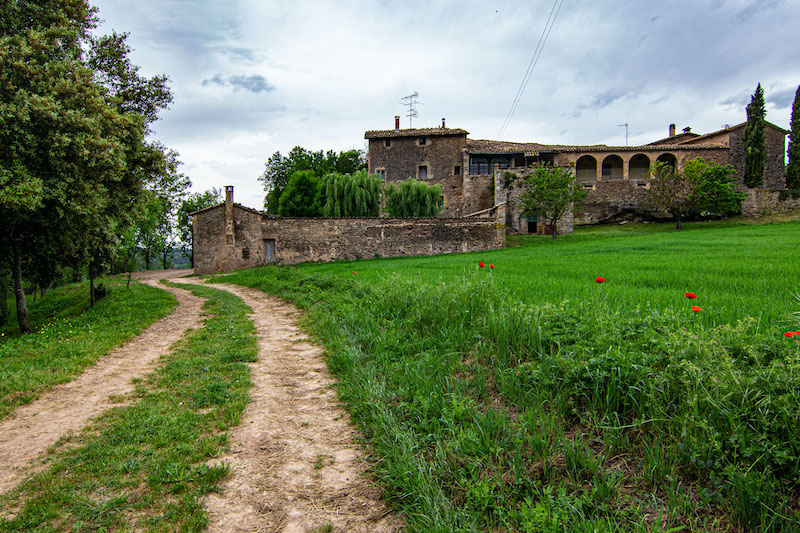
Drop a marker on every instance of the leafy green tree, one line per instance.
(551, 191)
(755, 155)
(279, 169)
(352, 195)
(302, 196)
(793, 169)
(195, 202)
(75, 159)
(411, 199)
(700, 188)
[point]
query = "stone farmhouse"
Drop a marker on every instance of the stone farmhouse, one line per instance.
(466, 169)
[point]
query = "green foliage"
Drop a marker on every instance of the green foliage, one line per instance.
(755, 149)
(302, 196)
(551, 191)
(511, 399)
(352, 195)
(413, 199)
(793, 168)
(280, 168)
(700, 188)
(145, 466)
(713, 188)
(194, 202)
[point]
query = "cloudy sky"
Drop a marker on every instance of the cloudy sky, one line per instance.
(254, 77)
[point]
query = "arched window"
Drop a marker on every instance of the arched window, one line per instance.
(639, 167)
(586, 168)
(612, 167)
(669, 159)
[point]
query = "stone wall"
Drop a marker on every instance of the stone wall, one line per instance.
(775, 166)
(509, 186)
(759, 202)
(214, 250)
(298, 240)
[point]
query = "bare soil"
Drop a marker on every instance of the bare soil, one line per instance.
(68, 407)
(294, 463)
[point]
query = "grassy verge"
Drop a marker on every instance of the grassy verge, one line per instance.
(143, 466)
(69, 336)
(530, 398)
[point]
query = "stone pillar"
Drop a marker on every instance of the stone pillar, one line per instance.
(229, 235)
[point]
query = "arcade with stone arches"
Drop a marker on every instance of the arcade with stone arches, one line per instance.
(634, 166)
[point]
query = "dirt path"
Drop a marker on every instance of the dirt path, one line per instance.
(294, 465)
(68, 407)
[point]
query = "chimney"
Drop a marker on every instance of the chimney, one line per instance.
(229, 214)
(443, 126)
(687, 129)
(396, 122)
(672, 130)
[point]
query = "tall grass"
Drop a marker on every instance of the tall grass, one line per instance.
(532, 398)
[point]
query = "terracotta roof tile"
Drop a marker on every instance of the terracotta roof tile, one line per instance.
(415, 132)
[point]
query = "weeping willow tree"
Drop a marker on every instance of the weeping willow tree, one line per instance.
(352, 195)
(412, 198)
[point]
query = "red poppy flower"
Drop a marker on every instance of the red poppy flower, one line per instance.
(491, 266)
(790, 334)
(481, 264)
(690, 295)
(354, 273)
(600, 279)
(696, 308)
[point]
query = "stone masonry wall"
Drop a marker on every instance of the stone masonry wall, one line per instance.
(759, 202)
(214, 251)
(309, 239)
(509, 186)
(300, 239)
(775, 167)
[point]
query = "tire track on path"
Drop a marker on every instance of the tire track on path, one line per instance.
(294, 464)
(68, 407)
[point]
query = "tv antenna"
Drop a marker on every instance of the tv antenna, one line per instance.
(626, 132)
(411, 102)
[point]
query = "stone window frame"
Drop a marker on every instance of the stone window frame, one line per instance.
(381, 172)
(456, 170)
(387, 143)
(428, 174)
(422, 141)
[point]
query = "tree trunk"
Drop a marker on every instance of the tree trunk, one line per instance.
(147, 260)
(164, 255)
(554, 228)
(19, 293)
(678, 225)
(91, 283)
(4, 314)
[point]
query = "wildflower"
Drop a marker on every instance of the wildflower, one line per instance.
(491, 266)
(791, 334)
(696, 308)
(481, 264)
(690, 295)
(354, 273)
(600, 279)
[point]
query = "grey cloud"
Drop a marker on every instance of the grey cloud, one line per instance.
(756, 7)
(781, 99)
(738, 100)
(601, 100)
(254, 83)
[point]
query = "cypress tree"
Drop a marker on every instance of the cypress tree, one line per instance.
(755, 149)
(793, 169)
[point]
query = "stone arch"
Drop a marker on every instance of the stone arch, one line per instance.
(612, 167)
(586, 168)
(639, 167)
(669, 159)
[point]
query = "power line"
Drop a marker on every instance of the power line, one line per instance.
(548, 27)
